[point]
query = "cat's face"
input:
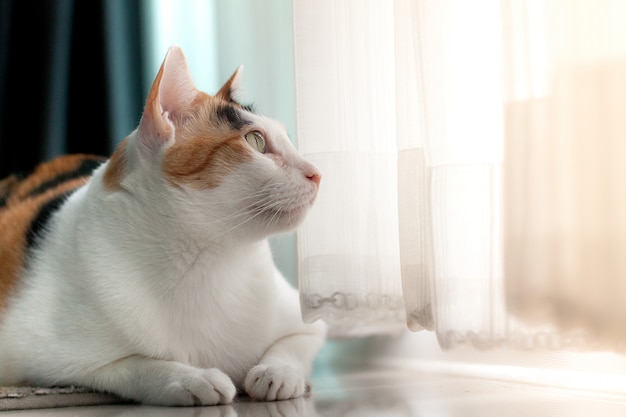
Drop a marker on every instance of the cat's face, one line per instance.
(249, 178)
(221, 167)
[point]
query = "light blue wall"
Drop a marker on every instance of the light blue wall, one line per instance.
(219, 35)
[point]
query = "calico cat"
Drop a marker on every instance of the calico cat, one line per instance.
(149, 274)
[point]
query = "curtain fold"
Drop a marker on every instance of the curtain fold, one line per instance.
(411, 152)
(349, 260)
(470, 172)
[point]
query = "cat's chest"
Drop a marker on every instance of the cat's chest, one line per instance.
(222, 316)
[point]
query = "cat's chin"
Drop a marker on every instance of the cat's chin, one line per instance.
(286, 219)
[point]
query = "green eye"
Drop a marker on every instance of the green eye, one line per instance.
(256, 140)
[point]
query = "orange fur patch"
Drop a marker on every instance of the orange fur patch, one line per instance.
(7, 186)
(47, 172)
(206, 149)
(203, 162)
(24, 200)
(115, 168)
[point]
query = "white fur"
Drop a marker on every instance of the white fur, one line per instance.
(168, 295)
(122, 284)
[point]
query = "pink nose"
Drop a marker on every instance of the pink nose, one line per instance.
(316, 178)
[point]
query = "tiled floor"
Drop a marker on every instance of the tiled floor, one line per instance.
(389, 394)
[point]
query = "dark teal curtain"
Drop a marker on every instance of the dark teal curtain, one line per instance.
(70, 78)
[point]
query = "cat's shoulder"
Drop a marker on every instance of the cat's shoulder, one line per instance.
(27, 202)
(48, 179)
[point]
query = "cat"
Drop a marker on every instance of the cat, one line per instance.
(149, 274)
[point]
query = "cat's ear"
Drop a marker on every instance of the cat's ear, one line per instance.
(172, 92)
(231, 90)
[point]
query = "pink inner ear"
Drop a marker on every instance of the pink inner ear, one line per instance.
(176, 90)
(172, 93)
(229, 90)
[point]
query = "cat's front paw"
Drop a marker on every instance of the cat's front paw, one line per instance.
(193, 386)
(271, 383)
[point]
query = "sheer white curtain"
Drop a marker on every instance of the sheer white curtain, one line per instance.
(349, 253)
(406, 107)
(566, 165)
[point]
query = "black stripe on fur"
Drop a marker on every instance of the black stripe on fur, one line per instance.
(85, 169)
(40, 222)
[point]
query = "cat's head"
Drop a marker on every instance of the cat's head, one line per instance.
(211, 162)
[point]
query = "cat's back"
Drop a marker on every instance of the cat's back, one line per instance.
(27, 202)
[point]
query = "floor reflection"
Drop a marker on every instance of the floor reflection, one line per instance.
(299, 407)
(388, 394)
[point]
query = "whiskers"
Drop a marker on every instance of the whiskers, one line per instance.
(271, 209)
